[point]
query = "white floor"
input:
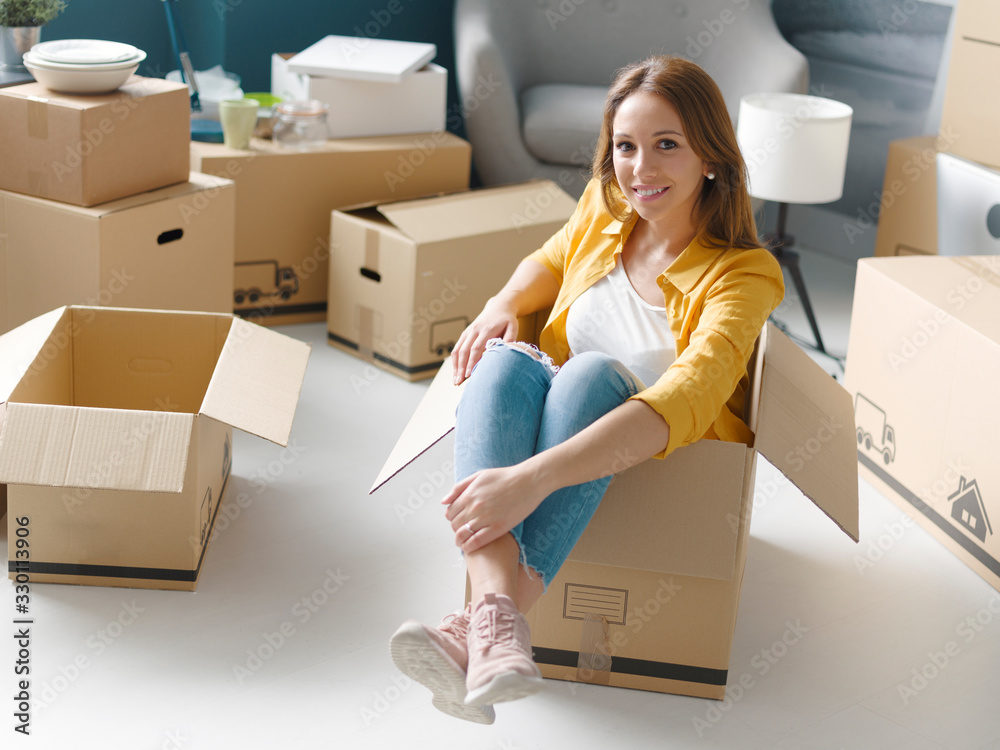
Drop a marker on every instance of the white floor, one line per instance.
(263, 656)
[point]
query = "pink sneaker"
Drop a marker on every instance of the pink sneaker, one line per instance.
(500, 664)
(437, 658)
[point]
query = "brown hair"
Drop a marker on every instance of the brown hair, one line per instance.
(723, 215)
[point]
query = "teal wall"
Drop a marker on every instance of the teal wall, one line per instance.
(241, 35)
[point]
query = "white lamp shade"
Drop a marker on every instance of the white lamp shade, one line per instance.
(795, 146)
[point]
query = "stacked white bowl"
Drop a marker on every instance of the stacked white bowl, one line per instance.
(82, 66)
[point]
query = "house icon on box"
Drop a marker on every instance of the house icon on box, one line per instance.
(968, 509)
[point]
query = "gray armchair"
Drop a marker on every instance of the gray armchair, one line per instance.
(532, 74)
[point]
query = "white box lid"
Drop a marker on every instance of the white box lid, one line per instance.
(363, 59)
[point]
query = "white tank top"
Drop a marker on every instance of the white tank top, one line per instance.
(612, 318)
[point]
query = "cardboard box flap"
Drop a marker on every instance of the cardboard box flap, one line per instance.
(20, 347)
(256, 383)
(433, 419)
(482, 211)
(805, 428)
(116, 449)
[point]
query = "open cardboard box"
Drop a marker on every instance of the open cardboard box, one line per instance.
(674, 533)
(922, 366)
(116, 436)
(406, 278)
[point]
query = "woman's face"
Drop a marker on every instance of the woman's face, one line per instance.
(656, 169)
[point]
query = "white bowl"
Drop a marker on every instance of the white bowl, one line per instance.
(82, 80)
(83, 51)
(41, 62)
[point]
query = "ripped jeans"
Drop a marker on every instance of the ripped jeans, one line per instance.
(517, 404)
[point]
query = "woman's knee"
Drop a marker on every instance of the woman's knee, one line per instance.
(597, 367)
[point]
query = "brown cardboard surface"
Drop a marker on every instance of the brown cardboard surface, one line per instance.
(89, 149)
(907, 219)
(970, 113)
(805, 429)
(103, 444)
(284, 200)
(407, 278)
(924, 386)
(170, 248)
(661, 573)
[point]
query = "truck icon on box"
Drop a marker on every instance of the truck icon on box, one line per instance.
(874, 432)
(259, 279)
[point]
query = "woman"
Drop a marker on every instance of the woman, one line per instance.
(658, 278)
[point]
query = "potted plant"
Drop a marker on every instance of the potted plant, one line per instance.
(21, 24)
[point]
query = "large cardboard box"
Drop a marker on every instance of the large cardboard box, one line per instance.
(650, 550)
(907, 210)
(170, 248)
(970, 114)
(88, 149)
(416, 104)
(284, 199)
(407, 278)
(922, 364)
(116, 436)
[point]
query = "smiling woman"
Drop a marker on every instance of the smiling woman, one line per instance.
(662, 248)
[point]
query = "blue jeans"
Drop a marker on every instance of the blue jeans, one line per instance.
(516, 405)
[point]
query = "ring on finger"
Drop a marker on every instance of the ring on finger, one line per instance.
(468, 528)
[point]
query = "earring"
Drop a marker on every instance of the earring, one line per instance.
(711, 175)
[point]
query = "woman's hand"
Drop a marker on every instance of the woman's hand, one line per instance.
(497, 320)
(491, 502)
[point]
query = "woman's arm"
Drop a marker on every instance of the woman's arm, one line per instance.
(494, 501)
(531, 287)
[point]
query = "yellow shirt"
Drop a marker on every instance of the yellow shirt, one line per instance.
(717, 301)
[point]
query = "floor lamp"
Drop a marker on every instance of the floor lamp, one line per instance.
(795, 147)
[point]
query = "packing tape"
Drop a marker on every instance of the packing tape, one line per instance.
(594, 662)
(38, 117)
(366, 333)
(371, 248)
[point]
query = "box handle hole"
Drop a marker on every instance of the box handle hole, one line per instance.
(171, 235)
(370, 274)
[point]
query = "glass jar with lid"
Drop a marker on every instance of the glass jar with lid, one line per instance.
(300, 125)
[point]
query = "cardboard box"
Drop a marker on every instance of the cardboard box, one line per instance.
(358, 108)
(116, 436)
(284, 199)
(88, 149)
(907, 211)
(922, 361)
(648, 545)
(170, 248)
(407, 278)
(970, 114)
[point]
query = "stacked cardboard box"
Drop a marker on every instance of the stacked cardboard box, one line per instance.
(97, 204)
(373, 86)
(284, 200)
(907, 210)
